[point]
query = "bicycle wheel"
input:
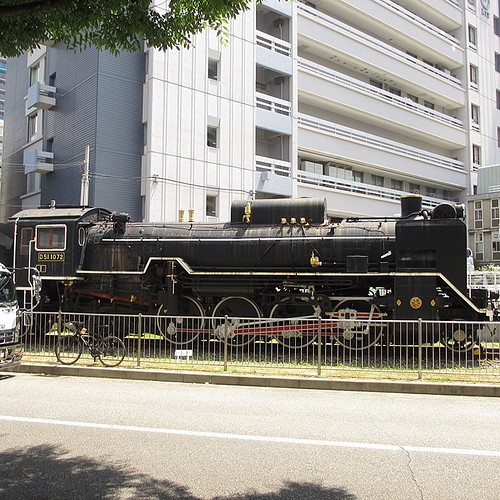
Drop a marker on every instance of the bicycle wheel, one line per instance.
(111, 351)
(69, 348)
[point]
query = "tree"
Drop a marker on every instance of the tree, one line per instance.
(114, 25)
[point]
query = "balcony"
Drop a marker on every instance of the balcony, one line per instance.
(274, 53)
(350, 198)
(40, 97)
(389, 21)
(40, 162)
(327, 37)
(345, 95)
(278, 6)
(273, 114)
(340, 142)
(273, 176)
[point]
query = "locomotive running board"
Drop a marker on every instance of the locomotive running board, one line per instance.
(182, 263)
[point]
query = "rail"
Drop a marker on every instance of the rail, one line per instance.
(378, 142)
(361, 343)
(366, 88)
(374, 42)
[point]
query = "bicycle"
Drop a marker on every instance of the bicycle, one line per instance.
(110, 350)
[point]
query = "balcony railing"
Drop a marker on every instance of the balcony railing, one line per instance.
(367, 39)
(378, 142)
(357, 187)
(41, 162)
(278, 167)
(410, 15)
(337, 77)
(273, 104)
(41, 96)
(275, 44)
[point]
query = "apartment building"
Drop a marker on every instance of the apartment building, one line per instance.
(483, 217)
(357, 102)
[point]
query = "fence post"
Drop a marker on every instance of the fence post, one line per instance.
(319, 347)
(139, 335)
(225, 343)
(59, 329)
(420, 337)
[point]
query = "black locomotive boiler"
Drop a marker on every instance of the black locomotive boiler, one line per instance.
(274, 259)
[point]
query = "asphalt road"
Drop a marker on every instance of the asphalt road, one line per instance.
(72, 437)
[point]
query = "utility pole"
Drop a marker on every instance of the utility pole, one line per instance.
(84, 193)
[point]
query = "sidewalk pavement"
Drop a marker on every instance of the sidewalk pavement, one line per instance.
(408, 387)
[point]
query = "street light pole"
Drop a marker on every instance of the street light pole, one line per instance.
(84, 192)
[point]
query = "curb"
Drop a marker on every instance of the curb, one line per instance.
(412, 387)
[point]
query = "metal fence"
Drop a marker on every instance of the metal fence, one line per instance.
(306, 346)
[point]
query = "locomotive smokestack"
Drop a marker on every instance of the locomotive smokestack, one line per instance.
(411, 204)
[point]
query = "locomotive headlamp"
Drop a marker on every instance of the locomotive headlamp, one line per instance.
(283, 220)
(293, 220)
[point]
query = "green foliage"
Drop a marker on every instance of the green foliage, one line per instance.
(490, 267)
(114, 25)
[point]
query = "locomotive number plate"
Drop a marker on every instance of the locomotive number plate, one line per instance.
(51, 257)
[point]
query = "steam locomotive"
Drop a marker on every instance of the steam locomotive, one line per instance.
(275, 259)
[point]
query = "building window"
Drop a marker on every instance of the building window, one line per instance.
(414, 188)
(377, 180)
(394, 90)
(358, 176)
(211, 205)
(397, 185)
(376, 83)
(429, 104)
(497, 62)
(476, 155)
(413, 98)
(473, 75)
(474, 113)
(212, 137)
(478, 214)
(32, 127)
(495, 212)
(498, 137)
(495, 246)
(431, 192)
(34, 74)
(496, 25)
(472, 36)
(213, 69)
(26, 237)
(479, 246)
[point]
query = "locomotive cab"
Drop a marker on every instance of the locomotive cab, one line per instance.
(51, 240)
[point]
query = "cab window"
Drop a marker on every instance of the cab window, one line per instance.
(51, 237)
(26, 237)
